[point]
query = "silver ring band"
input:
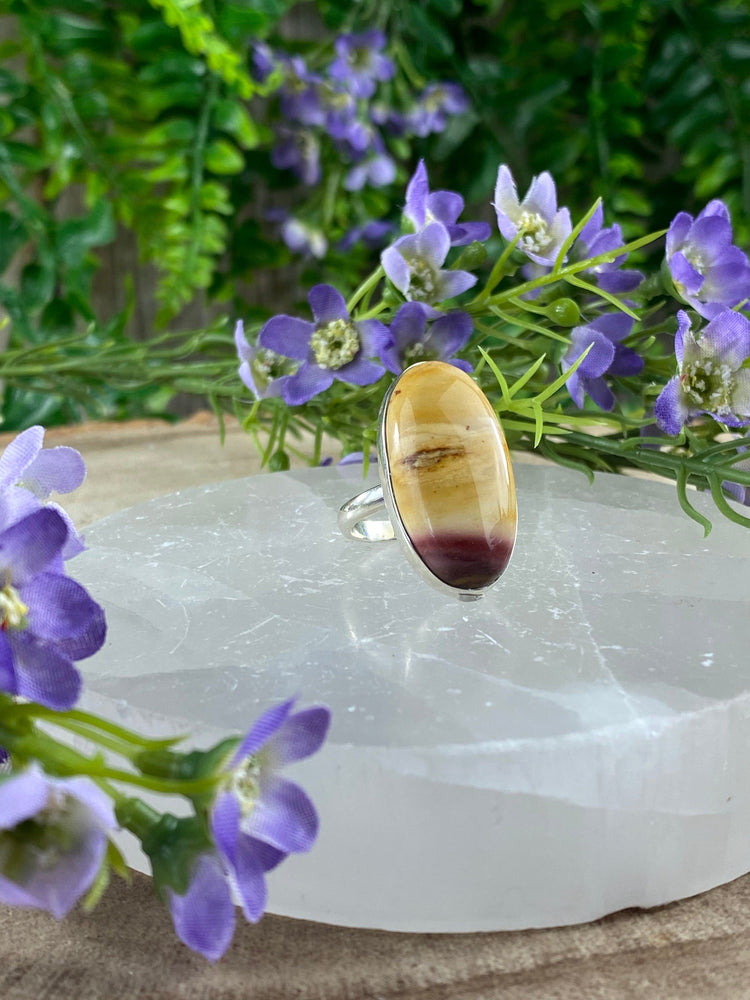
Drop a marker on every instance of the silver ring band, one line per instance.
(358, 517)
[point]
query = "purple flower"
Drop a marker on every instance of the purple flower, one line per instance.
(360, 63)
(334, 346)
(377, 170)
(29, 474)
(340, 109)
(435, 104)
(303, 238)
(262, 371)
(594, 240)
(423, 206)
(708, 271)
(606, 357)
(47, 620)
(371, 234)
(259, 817)
(413, 340)
(297, 150)
(53, 836)
(414, 265)
(204, 916)
(299, 95)
(710, 376)
(541, 229)
(262, 62)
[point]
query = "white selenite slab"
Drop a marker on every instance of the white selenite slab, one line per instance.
(576, 742)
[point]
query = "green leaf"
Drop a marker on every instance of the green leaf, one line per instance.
(75, 237)
(12, 238)
(37, 285)
(232, 117)
(430, 35)
(222, 157)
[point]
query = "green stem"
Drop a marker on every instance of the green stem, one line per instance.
(364, 288)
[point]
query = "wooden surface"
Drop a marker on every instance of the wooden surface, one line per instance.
(692, 950)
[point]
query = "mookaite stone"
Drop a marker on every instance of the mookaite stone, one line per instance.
(451, 475)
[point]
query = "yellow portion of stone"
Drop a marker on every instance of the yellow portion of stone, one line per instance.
(449, 465)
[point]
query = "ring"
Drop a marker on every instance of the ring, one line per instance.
(446, 482)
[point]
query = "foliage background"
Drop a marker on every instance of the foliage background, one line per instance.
(139, 124)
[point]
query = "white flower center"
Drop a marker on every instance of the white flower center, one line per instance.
(418, 352)
(335, 344)
(694, 256)
(12, 609)
(422, 281)
(244, 784)
(709, 384)
(534, 232)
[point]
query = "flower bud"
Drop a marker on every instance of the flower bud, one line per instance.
(564, 312)
(279, 461)
(472, 257)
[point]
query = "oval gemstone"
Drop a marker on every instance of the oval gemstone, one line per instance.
(450, 475)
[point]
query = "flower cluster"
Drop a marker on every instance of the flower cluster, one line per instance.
(345, 108)
(60, 808)
(599, 346)
(336, 347)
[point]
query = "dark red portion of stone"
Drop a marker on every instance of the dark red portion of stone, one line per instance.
(468, 562)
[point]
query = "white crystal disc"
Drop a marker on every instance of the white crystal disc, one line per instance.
(576, 742)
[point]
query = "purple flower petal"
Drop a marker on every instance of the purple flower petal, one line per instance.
(452, 283)
(43, 674)
(451, 332)
(21, 797)
(713, 233)
(670, 410)
(8, 679)
(626, 362)
(677, 232)
(359, 372)
(309, 381)
(685, 275)
(431, 244)
(600, 392)
(683, 333)
(396, 268)
(249, 875)
(728, 335)
(541, 196)
(19, 454)
(301, 735)
(615, 326)
(373, 335)
(61, 611)
(288, 336)
(469, 232)
(417, 191)
(445, 206)
(204, 916)
(327, 304)
(283, 817)
(58, 470)
(264, 727)
(506, 202)
(29, 546)
(599, 357)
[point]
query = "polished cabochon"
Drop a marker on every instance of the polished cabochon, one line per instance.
(447, 477)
